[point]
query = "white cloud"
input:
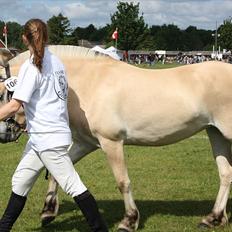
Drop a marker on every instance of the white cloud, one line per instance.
(200, 13)
(78, 11)
(54, 10)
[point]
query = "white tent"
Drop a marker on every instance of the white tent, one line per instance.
(111, 51)
(114, 55)
(98, 49)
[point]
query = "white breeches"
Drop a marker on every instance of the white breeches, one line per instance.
(58, 163)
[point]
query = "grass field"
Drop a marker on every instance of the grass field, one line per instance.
(174, 186)
(159, 65)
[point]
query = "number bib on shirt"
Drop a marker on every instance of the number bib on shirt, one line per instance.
(10, 83)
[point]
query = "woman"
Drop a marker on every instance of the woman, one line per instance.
(42, 90)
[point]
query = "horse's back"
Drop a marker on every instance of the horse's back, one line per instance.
(149, 107)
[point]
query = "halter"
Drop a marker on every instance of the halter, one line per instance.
(12, 128)
(8, 94)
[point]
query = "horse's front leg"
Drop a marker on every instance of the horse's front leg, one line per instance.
(115, 157)
(51, 204)
(222, 151)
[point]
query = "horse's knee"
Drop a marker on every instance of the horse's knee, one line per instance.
(226, 177)
(225, 170)
(124, 186)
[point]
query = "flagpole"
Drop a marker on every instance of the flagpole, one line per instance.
(116, 41)
(5, 34)
(6, 39)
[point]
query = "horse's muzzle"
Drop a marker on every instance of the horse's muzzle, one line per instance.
(10, 131)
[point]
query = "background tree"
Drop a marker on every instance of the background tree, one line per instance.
(1, 29)
(206, 38)
(59, 30)
(132, 30)
(191, 38)
(170, 37)
(225, 39)
(101, 34)
(14, 35)
(167, 37)
(85, 33)
(91, 33)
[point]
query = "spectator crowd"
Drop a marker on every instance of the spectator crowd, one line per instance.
(181, 58)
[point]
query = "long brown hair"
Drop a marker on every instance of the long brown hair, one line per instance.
(36, 33)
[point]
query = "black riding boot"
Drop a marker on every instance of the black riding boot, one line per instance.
(14, 208)
(89, 208)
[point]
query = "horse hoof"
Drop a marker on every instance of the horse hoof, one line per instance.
(47, 220)
(122, 230)
(203, 226)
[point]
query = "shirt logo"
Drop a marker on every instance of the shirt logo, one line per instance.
(60, 85)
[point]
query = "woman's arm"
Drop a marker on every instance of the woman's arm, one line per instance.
(10, 108)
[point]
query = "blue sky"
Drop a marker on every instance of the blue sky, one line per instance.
(200, 13)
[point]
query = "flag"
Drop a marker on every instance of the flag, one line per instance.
(4, 30)
(115, 34)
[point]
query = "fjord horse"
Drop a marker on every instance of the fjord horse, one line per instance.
(112, 104)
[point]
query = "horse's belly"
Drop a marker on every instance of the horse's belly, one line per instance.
(164, 135)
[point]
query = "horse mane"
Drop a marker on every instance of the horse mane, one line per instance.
(62, 51)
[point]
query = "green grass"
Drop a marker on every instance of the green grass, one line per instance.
(174, 186)
(160, 65)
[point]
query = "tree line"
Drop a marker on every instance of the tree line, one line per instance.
(133, 33)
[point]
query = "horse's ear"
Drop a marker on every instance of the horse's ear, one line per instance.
(5, 56)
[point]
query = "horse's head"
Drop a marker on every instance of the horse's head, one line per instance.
(11, 128)
(10, 131)
(5, 56)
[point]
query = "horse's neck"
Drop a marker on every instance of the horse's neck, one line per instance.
(14, 70)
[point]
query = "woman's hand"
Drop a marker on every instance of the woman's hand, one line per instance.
(9, 109)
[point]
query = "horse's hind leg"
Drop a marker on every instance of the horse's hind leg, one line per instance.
(115, 156)
(51, 204)
(222, 152)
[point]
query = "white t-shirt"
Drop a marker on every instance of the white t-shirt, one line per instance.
(44, 97)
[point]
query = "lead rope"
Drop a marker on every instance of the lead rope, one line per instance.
(7, 70)
(47, 174)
